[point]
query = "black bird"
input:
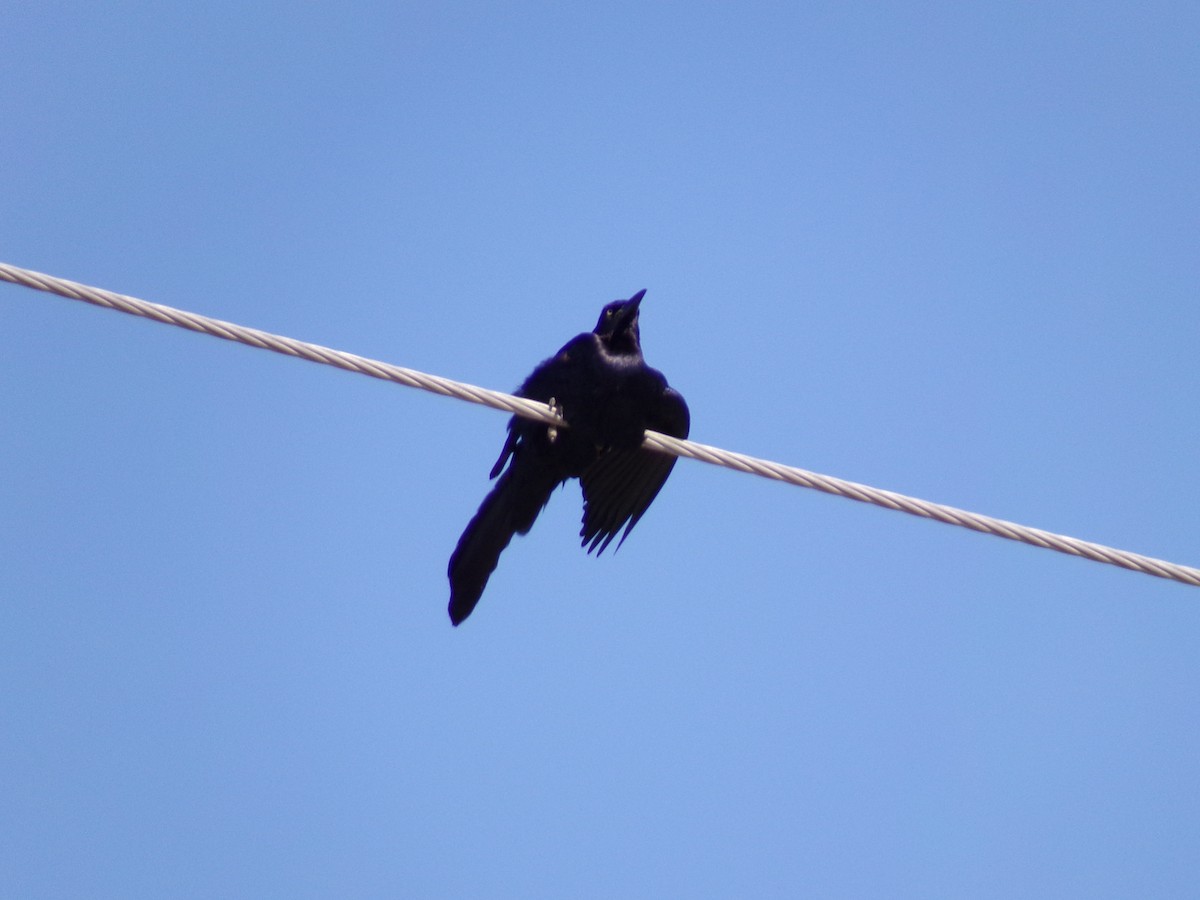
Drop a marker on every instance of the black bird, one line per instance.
(601, 385)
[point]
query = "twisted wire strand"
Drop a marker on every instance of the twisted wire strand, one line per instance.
(659, 442)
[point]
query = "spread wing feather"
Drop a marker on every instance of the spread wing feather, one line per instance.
(619, 487)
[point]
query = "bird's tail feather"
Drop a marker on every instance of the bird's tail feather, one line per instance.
(511, 508)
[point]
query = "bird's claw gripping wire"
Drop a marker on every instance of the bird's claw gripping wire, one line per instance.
(552, 430)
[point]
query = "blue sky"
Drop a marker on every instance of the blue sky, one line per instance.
(951, 250)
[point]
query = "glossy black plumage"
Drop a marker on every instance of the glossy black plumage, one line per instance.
(609, 396)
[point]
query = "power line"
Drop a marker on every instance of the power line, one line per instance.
(660, 442)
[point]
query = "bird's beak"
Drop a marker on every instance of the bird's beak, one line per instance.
(629, 312)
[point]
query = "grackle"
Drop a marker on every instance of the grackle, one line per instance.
(601, 385)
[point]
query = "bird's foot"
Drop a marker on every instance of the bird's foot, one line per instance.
(552, 430)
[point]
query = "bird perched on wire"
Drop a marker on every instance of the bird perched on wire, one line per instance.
(600, 384)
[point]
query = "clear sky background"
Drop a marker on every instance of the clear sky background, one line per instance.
(947, 249)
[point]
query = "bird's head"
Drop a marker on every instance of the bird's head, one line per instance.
(618, 325)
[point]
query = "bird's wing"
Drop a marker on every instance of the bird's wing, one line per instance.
(620, 486)
(546, 383)
(550, 374)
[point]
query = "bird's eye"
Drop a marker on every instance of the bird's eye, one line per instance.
(608, 314)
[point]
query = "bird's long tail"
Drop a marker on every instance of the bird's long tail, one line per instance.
(511, 508)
